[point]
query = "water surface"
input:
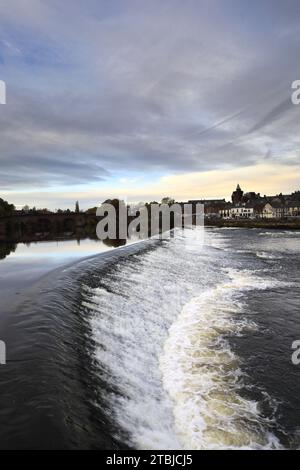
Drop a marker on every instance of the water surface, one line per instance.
(160, 345)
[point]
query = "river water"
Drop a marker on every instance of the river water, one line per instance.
(158, 345)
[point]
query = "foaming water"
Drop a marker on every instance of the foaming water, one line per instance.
(202, 374)
(266, 255)
(126, 351)
(130, 314)
(129, 324)
(159, 345)
(161, 323)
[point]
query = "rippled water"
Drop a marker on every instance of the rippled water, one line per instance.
(162, 345)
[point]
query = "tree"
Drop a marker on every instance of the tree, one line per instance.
(6, 208)
(168, 200)
(91, 210)
(117, 203)
(77, 207)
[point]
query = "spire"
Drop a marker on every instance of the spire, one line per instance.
(238, 188)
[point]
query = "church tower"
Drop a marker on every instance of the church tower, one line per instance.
(237, 195)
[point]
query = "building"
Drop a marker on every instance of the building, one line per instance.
(242, 212)
(239, 211)
(272, 210)
(225, 211)
(293, 209)
(212, 207)
(280, 210)
(253, 205)
(237, 195)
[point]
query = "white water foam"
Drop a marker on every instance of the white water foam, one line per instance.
(203, 377)
(266, 255)
(172, 380)
(130, 320)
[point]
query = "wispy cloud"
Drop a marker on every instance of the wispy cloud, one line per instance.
(154, 88)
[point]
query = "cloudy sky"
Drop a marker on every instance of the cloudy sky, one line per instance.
(141, 99)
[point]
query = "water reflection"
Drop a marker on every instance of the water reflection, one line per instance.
(59, 246)
(22, 263)
(7, 248)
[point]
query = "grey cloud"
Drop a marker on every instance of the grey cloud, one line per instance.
(98, 87)
(276, 113)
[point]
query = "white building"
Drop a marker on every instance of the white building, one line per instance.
(242, 212)
(238, 212)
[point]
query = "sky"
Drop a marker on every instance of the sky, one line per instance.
(143, 99)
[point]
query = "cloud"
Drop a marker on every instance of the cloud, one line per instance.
(98, 88)
(276, 113)
(266, 178)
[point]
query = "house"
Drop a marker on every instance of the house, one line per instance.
(280, 210)
(239, 211)
(293, 209)
(272, 210)
(242, 211)
(225, 211)
(253, 205)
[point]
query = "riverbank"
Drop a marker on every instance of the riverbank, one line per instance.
(255, 223)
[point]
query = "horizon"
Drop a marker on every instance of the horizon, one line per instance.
(85, 207)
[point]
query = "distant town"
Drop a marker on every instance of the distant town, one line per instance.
(246, 209)
(251, 205)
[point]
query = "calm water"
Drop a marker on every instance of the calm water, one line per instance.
(28, 262)
(21, 264)
(157, 345)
